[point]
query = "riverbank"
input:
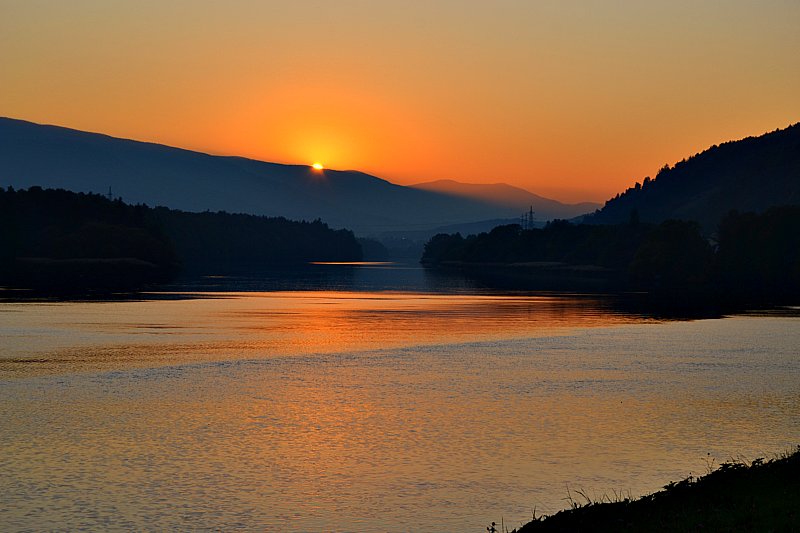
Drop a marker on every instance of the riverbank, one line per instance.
(759, 496)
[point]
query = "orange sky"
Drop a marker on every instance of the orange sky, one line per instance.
(572, 100)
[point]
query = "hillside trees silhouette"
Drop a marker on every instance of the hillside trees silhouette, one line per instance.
(751, 174)
(750, 254)
(56, 239)
(673, 254)
(761, 251)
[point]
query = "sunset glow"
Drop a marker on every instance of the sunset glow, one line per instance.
(373, 265)
(572, 101)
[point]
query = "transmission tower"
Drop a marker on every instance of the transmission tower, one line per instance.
(527, 220)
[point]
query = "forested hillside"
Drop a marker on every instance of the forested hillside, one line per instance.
(57, 238)
(751, 174)
(753, 255)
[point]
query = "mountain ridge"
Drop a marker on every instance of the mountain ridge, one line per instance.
(749, 174)
(507, 195)
(157, 174)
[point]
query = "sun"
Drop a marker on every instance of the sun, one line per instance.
(317, 166)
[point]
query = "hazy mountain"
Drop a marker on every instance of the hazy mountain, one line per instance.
(139, 172)
(508, 196)
(751, 174)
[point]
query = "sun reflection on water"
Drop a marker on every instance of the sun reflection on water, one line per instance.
(369, 412)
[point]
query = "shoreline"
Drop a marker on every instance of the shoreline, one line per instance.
(760, 495)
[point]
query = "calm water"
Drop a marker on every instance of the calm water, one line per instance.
(357, 408)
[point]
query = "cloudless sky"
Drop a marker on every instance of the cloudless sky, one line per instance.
(574, 100)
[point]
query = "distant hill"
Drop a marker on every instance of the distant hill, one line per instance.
(139, 172)
(751, 174)
(508, 196)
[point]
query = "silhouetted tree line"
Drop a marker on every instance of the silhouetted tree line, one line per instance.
(56, 239)
(611, 246)
(373, 250)
(752, 254)
(224, 239)
(760, 252)
(751, 174)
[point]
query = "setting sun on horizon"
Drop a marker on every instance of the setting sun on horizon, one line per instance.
(572, 101)
(384, 265)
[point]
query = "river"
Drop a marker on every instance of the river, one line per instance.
(370, 398)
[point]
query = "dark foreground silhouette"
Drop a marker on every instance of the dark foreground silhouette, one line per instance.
(761, 496)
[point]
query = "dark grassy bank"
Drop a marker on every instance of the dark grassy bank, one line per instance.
(761, 496)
